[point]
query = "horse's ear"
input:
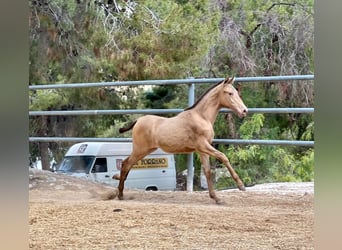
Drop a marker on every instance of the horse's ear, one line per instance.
(229, 80)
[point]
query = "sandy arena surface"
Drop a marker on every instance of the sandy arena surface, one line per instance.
(70, 213)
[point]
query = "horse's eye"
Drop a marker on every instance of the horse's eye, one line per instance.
(228, 92)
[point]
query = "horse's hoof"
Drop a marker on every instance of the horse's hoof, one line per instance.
(220, 202)
(241, 187)
(116, 177)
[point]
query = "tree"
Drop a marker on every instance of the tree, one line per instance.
(82, 41)
(266, 38)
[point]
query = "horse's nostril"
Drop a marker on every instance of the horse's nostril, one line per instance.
(245, 110)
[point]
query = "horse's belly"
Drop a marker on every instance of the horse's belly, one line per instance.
(174, 143)
(177, 149)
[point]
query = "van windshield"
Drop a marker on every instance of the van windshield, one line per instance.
(76, 164)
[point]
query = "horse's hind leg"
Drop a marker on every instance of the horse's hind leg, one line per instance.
(207, 172)
(126, 167)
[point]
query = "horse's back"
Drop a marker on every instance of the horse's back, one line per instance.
(146, 125)
(149, 121)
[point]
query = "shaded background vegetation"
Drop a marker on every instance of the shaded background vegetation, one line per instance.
(99, 41)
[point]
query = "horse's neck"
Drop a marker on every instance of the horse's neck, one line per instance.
(209, 106)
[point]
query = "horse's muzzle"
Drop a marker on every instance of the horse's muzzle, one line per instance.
(243, 113)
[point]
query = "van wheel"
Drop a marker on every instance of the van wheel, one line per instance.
(151, 189)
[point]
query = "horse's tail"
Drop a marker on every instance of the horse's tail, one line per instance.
(129, 127)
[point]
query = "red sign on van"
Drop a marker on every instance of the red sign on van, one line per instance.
(118, 164)
(82, 148)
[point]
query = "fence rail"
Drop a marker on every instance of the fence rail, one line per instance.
(162, 111)
(171, 82)
(219, 141)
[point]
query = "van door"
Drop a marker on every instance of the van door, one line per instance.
(99, 171)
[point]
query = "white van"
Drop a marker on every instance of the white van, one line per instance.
(99, 161)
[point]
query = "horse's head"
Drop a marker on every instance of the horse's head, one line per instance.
(230, 98)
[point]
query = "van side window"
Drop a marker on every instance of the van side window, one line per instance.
(100, 165)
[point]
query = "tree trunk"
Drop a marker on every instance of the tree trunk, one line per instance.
(44, 146)
(231, 126)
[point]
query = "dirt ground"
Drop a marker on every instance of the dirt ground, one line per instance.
(70, 213)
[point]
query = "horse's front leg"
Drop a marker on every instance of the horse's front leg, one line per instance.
(207, 172)
(221, 157)
(231, 170)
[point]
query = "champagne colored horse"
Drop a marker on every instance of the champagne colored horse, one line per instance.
(189, 131)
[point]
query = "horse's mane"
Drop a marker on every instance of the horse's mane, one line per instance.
(201, 97)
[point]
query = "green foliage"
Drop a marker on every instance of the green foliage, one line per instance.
(159, 97)
(252, 126)
(308, 134)
(304, 168)
(42, 99)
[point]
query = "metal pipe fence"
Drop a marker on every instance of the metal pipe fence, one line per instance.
(191, 93)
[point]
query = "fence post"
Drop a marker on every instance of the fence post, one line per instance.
(190, 160)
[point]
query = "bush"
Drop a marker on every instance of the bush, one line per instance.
(259, 163)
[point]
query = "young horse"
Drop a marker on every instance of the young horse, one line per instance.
(189, 131)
